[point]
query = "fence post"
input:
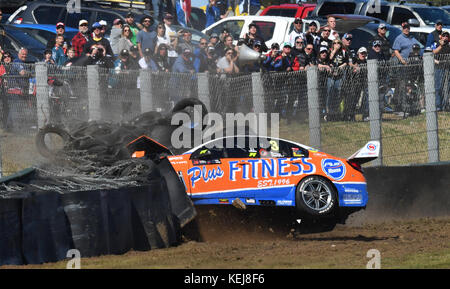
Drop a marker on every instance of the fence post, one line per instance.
(203, 89)
(430, 105)
(93, 82)
(374, 106)
(145, 82)
(42, 94)
(312, 74)
(257, 93)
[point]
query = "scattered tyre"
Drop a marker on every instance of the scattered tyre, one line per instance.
(42, 147)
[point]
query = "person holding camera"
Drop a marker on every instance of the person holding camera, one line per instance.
(98, 40)
(440, 48)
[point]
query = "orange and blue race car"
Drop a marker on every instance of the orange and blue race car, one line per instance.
(262, 171)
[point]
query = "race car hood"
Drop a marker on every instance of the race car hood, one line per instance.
(144, 146)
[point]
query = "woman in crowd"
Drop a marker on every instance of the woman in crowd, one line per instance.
(161, 37)
(125, 40)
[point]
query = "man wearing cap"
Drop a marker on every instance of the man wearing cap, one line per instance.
(403, 44)
(434, 35)
(440, 47)
(375, 51)
(252, 35)
(381, 36)
(324, 40)
(60, 29)
(284, 61)
(81, 38)
(116, 33)
(187, 41)
(146, 38)
(97, 40)
(296, 32)
(311, 36)
(347, 39)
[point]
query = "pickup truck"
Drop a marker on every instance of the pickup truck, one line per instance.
(289, 10)
(276, 29)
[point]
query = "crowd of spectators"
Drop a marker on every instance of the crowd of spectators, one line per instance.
(133, 46)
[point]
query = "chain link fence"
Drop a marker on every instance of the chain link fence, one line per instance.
(336, 110)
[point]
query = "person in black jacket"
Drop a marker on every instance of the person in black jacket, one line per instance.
(381, 36)
(96, 40)
(252, 36)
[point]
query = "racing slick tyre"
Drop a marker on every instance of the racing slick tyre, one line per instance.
(316, 196)
(42, 147)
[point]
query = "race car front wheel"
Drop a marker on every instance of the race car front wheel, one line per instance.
(316, 196)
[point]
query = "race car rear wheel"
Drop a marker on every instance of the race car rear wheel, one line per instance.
(316, 196)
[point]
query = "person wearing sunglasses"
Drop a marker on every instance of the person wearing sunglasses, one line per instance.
(305, 59)
(201, 56)
(60, 30)
(385, 44)
(298, 48)
(146, 38)
(296, 32)
(324, 40)
(81, 38)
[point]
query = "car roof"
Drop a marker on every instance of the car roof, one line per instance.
(46, 27)
(258, 136)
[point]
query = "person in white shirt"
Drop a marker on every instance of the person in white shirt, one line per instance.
(331, 22)
(297, 31)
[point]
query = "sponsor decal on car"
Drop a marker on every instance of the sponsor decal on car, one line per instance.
(224, 201)
(335, 169)
(371, 147)
(205, 174)
(284, 202)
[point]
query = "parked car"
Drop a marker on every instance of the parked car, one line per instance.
(393, 13)
(446, 8)
(275, 29)
(16, 38)
(11, 3)
(289, 10)
(44, 32)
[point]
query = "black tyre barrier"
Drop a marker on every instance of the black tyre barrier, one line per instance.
(410, 192)
(41, 226)
(40, 139)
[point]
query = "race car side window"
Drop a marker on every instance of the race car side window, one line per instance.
(240, 148)
(272, 148)
(213, 150)
(296, 150)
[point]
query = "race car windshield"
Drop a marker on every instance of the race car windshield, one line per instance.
(430, 15)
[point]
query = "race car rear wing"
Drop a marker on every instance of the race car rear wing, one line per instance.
(367, 153)
(145, 146)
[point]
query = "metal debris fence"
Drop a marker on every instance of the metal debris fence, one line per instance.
(336, 111)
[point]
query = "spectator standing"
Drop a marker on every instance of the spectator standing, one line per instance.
(213, 40)
(161, 36)
(252, 35)
(201, 56)
(403, 44)
(296, 32)
(324, 40)
(212, 13)
(129, 19)
(338, 60)
(160, 61)
(48, 59)
(298, 46)
(103, 28)
(2, 34)
(71, 57)
(58, 53)
(440, 48)
(125, 38)
(375, 52)
(359, 81)
(186, 42)
(171, 34)
(184, 62)
(225, 8)
(227, 43)
(305, 59)
(347, 39)
(96, 40)
(134, 55)
(5, 68)
(433, 37)
(251, 7)
(331, 23)
(311, 36)
(116, 34)
(227, 64)
(270, 56)
(381, 36)
(60, 30)
(168, 21)
(81, 38)
(146, 38)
